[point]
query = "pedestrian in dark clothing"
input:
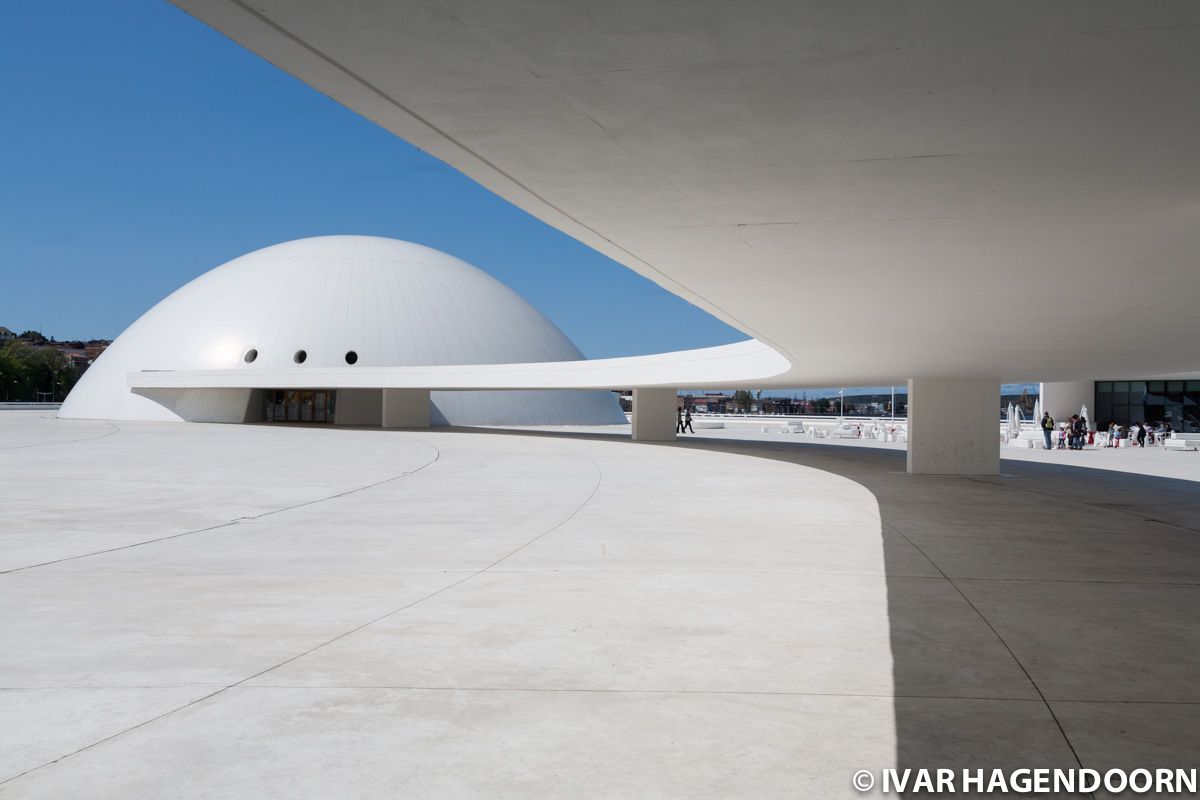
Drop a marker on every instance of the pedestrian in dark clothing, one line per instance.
(1079, 430)
(1047, 428)
(687, 421)
(1141, 436)
(679, 420)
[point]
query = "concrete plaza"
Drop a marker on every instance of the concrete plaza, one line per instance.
(257, 611)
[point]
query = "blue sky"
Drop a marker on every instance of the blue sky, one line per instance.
(141, 149)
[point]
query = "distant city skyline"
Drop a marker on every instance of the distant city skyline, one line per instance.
(819, 392)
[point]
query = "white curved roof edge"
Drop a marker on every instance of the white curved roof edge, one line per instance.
(735, 365)
(925, 221)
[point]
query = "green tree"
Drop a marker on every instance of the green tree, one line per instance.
(743, 398)
(13, 378)
(28, 372)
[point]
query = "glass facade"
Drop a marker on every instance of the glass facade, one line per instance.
(1126, 402)
(301, 405)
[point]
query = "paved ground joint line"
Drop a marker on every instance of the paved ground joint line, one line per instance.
(115, 430)
(233, 522)
(585, 690)
(741, 446)
(1097, 506)
(1003, 643)
(339, 637)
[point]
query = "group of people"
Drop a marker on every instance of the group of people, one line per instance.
(1139, 433)
(683, 423)
(1074, 434)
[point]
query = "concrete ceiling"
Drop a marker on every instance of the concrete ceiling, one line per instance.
(879, 190)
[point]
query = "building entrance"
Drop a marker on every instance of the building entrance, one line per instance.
(301, 405)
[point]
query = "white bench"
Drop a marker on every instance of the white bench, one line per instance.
(1183, 441)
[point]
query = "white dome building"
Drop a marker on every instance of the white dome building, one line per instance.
(335, 301)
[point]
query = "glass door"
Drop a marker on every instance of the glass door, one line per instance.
(300, 405)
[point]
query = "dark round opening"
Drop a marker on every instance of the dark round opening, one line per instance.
(351, 357)
(251, 354)
(300, 356)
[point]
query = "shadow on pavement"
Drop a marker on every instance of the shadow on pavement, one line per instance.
(1045, 618)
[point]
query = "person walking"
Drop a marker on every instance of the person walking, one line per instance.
(1080, 431)
(687, 421)
(679, 420)
(1047, 428)
(1141, 434)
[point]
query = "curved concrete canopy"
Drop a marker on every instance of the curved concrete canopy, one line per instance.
(879, 190)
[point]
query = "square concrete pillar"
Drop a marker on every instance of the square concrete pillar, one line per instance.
(405, 408)
(954, 426)
(358, 407)
(654, 415)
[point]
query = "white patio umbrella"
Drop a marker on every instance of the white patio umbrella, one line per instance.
(1014, 427)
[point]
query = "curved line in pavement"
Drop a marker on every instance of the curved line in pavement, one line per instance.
(437, 454)
(115, 430)
(314, 648)
(586, 501)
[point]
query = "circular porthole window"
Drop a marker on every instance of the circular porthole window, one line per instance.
(250, 355)
(300, 357)
(351, 357)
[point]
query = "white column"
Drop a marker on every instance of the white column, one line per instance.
(654, 415)
(406, 408)
(954, 426)
(1064, 398)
